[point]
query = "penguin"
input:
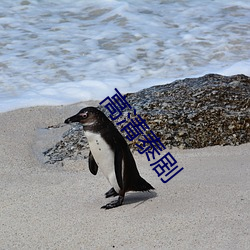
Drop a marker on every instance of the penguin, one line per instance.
(110, 152)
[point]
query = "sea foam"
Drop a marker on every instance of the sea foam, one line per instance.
(63, 52)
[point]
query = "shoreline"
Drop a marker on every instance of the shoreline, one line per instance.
(58, 206)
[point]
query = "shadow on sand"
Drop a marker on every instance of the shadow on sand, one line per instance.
(138, 198)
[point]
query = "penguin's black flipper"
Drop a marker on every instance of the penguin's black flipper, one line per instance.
(93, 167)
(118, 166)
(111, 193)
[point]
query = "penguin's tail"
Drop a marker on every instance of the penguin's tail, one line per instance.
(141, 185)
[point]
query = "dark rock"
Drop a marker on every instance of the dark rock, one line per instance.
(190, 113)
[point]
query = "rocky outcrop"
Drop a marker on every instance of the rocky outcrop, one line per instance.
(190, 113)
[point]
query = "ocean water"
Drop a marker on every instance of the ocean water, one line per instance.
(61, 52)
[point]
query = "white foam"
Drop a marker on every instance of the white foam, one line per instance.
(63, 52)
(242, 67)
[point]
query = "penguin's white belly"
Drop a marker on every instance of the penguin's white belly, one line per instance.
(104, 157)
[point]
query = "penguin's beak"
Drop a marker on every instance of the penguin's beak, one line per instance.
(74, 118)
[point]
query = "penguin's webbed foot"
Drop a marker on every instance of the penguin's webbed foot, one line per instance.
(113, 204)
(111, 193)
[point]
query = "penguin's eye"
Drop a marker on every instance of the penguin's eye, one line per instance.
(84, 115)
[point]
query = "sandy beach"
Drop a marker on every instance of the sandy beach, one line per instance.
(45, 206)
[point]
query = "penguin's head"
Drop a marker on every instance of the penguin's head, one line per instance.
(88, 117)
